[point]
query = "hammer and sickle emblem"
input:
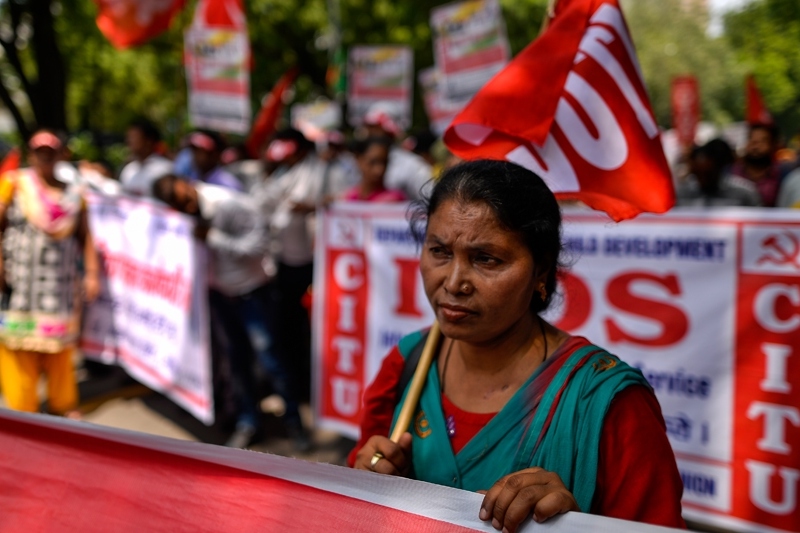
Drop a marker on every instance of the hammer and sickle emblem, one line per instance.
(421, 425)
(348, 233)
(777, 254)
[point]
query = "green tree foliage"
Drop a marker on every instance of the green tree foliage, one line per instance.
(286, 32)
(672, 40)
(766, 38)
(103, 88)
(32, 75)
(109, 87)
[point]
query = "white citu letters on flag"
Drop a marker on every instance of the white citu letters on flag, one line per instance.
(573, 108)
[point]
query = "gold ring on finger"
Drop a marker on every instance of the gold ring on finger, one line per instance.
(375, 458)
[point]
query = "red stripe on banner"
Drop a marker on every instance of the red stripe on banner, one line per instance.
(220, 86)
(475, 61)
(59, 480)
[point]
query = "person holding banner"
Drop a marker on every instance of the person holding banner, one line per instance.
(207, 147)
(372, 158)
(300, 183)
(406, 170)
(543, 421)
(242, 270)
(45, 236)
(137, 177)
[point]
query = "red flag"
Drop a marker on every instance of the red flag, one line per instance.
(265, 123)
(573, 108)
(757, 112)
(131, 22)
(685, 99)
(10, 161)
(220, 14)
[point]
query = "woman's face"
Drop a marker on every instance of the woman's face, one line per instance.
(479, 276)
(372, 164)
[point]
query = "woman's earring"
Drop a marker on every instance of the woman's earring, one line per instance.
(542, 292)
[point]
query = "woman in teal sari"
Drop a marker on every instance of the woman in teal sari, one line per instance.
(542, 421)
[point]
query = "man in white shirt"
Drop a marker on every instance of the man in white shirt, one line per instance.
(237, 235)
(138, 176)
(300, 184)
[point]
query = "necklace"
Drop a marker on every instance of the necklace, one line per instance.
(450, 421)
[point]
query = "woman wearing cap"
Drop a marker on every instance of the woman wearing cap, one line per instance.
(543, 421)
(45, 233)
(372, 158)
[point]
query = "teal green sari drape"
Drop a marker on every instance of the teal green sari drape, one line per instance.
(552, 421)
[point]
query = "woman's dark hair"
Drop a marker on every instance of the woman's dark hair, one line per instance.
(148, 130)
(360, 147)
(291, 134)
(518, 197)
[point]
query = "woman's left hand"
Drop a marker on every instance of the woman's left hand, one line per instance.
(514, 497)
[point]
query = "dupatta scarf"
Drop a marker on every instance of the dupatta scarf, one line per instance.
(554, 421)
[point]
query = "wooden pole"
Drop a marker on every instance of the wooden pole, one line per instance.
(424, 365)
(417, 383)
(549, 15)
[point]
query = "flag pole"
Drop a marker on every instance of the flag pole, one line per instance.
(549, 15)
(428, 352)
(417, 383)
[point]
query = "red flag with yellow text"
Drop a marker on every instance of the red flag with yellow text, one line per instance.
(573, 108)
(129, 23)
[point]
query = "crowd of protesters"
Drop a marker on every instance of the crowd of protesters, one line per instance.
(764, 175)
(256, 215)
(256, 218)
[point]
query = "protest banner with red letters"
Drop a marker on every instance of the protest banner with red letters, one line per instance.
(685, 100)
(217, 56)
(707, 305)
(151, 317)
(128, 23)
(573, 108)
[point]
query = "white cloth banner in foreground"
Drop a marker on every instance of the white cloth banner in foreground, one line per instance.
(149, 483)
(706, 305)
(151, 316)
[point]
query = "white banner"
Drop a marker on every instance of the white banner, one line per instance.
(380, 75)
(151, 316)
(469, 44)
(218, 71)
(707, 305)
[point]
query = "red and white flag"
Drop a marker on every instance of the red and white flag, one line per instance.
(129, 23)
(573, 108)
(757, 112)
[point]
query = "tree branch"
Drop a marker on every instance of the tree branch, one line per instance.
(5, 97)
(13, 58)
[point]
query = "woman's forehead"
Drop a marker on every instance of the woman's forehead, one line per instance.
(466, 219)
